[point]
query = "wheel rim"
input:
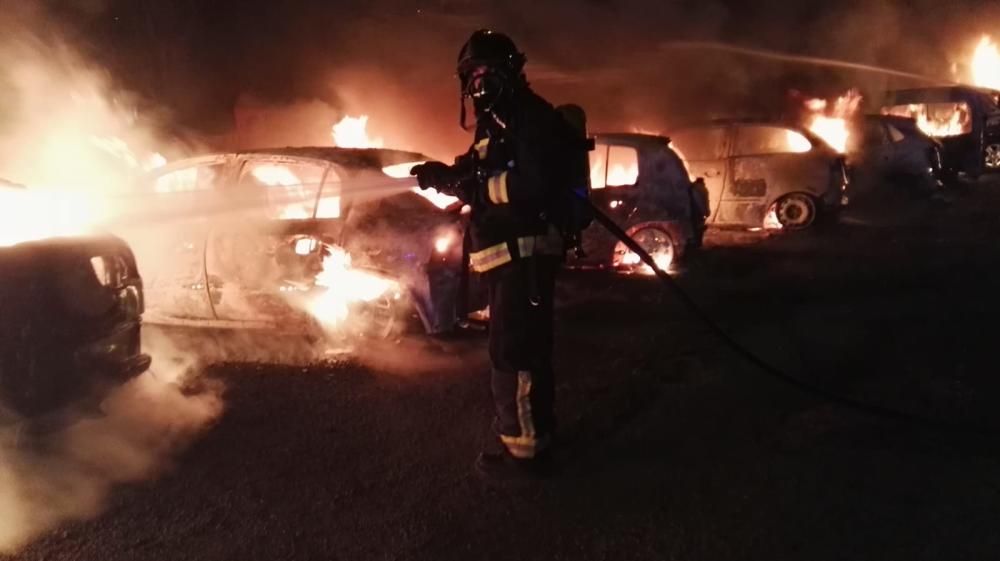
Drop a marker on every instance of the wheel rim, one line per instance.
(795, 211)
(993, 156)
(656, 242)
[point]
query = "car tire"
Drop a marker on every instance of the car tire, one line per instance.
(796, 211)
(991, 157)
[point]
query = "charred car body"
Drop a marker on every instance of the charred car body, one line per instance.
(890, 149)
(271, 240)
(71, 318)
(965, 120)
(761, 173)
(640, 182)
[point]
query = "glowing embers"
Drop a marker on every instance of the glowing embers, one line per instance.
(830, 122)
(345, 288)
(985, 64)
(351, 132)
(655, 241)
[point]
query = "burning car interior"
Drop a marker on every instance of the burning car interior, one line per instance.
(291, 280)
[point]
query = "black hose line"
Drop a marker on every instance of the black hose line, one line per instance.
(762, 365)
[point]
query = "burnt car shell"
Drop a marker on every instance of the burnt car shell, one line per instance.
(231, 258)
(974, 147)
(751, 167)
(642, 184)
(886, 148)
(70, 321)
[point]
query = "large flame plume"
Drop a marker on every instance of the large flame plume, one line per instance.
(830, 122)
(985, 64)
(351, 132)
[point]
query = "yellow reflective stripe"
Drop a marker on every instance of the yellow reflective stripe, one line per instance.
(490, 258)
(497, 187)
(524, 404)
(524, 447)
(482, 146)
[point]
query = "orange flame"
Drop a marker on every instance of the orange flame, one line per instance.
(985, 64)
(351, 132)
(830, 123)
(29, 215)
(346, 286)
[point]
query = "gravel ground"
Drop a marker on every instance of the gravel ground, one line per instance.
(671, 446)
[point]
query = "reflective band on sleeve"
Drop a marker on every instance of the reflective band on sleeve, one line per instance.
(489, 258)
(482, 146)
(526, 246)
(497, 187)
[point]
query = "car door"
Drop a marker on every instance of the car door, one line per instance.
(249, 251)
(763, 166)
(170, 241)
(614, 172)
(704, 151)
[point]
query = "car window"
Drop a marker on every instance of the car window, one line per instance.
(756, 140)
(874, 134)
(190, 179)
(895, 134)
(700, 144)
(623, 166)
(285, 190)
(599, 166)
(936, 119)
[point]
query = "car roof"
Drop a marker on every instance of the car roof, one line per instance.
(634, 138)
(374, 158)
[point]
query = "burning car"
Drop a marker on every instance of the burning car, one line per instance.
(894, 149)
(301, 240)
(640, 182)
(966, 120)
(763, 174)
(71, 318)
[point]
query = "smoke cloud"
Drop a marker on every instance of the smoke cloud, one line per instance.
(51, 478)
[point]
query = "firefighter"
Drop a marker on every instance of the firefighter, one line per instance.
(511, 177)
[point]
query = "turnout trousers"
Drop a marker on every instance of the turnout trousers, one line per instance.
(521, 297)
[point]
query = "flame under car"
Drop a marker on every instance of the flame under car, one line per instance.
(763, 174)
(299, 240)
(70, 320)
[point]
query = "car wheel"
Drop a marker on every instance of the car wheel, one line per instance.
(992, 156)
(656, 241)
(796, 211)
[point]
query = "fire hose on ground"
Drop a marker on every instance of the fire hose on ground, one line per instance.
(763, 366)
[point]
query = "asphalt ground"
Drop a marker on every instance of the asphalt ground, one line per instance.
(670, 445)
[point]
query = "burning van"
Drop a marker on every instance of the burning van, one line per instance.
(300, 240)
(966, 120)
(763, 174)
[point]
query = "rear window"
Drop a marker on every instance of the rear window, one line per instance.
(936, 119)
(700, 144)
(763, 140)
(284, 190)
(195, 178)
(613, 166)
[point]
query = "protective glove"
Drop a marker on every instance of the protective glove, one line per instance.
(434, 175)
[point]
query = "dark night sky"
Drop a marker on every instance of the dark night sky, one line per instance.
(197, 57)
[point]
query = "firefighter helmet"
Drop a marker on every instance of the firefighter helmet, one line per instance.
(488, 61)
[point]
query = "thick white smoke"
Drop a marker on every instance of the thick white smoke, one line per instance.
(64, 128)
(55, 477)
